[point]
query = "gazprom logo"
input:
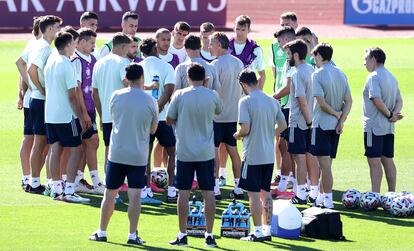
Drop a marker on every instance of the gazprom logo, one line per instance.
(383, 6)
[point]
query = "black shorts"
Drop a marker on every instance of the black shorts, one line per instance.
(67, 134)
(164, 134)
(378, 146)
(116, 173)
(324, 142)
(185, 174)
(28, 126)
(106, 132)
(254, 178)
(37, 114)
(299, 140)
(223, 133)
(285, 133)
(93, 130)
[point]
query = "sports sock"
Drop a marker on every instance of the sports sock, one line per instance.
(95, 177)
(258, 231)
(223, 172)
(50, 182)
(217, 188)
(237, 189)
(69, 188)
(57, 186)
(308, 183)
(132, 236)
(181, 235)
(266, 230)
(278, 172)
(283, 183)
(327, 201)
(172, 192)
(144, 192)
(25, 179)
(301, 193)
(101, 233)
(64, 177)
(319, 199)
(34, 182)
(314, 190)
(149, 192)
(291, 178)
(79, 176)
(295, 186)
(195, 177)
(208, 234)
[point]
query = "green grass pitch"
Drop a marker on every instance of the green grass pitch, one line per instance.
(30, 222)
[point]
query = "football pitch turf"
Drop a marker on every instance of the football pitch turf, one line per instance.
(33, 222)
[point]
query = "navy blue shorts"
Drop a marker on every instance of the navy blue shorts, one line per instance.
(106, 131)
(93, 130)
(285, 133)
(299, 140)
(116, 173)
(185, 174)
(37, 114)
(164, 134)
(28, 127)
(68, 134)
(256, 177)
(324, 142)
(223, 133)
(377, 146)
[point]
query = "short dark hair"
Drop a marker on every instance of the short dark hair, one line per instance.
(248, 77)
(130, 14)
(120, 38)
(377, 53)
(36, 25)
(71, 30)
(86, 34)
(298, 46)
(222, 38)
(207, 27)
(147, 45)
(63, 38)
(181, 25)
(88, 15)
(286, 30)
(134, 71)
(161, 31)
(192, 42)
(243, 20)
(303, 31)
(289, 15)
(196, 72)
(47, 21)
(323, 49)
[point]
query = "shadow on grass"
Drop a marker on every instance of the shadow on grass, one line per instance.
(144, 247)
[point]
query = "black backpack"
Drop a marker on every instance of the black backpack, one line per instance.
(322, 224)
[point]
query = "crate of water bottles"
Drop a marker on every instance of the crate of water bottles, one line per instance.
(196, 220)
(235, 221)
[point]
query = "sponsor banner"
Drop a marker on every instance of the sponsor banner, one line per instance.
(153, 13)
(379, 12)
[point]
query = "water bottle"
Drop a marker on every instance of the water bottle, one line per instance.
(155, 78)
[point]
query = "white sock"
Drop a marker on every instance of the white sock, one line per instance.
(181, 235)
(320, 198)
(132, 236)
(172, 192)
(327, 200)
(291, 178)
(301, 193)
(57, 186)
(34, 182)
(149, 192)
(79, 176)
(50, 182)
(283, 183)
(64, 177)
(278, 172)
(314, 190)
(195, 177)
(223, 172)
(266, 230)
(217, 188)
(295, 186)
(69, 188)
(308, 183)
(101, 233)
(258, 232)
(144, 192)
(237, 189)
(25, 179)
(95, 177)
(208, 234)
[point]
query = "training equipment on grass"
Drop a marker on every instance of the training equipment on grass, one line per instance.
(322, 223)
(370, 201)
(196, 220)
(351, 198)
(159, 176)
(401, 206)
(235, 221)
(386, 200)
(286, 220)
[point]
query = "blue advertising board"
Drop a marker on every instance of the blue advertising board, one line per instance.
(379, 12)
